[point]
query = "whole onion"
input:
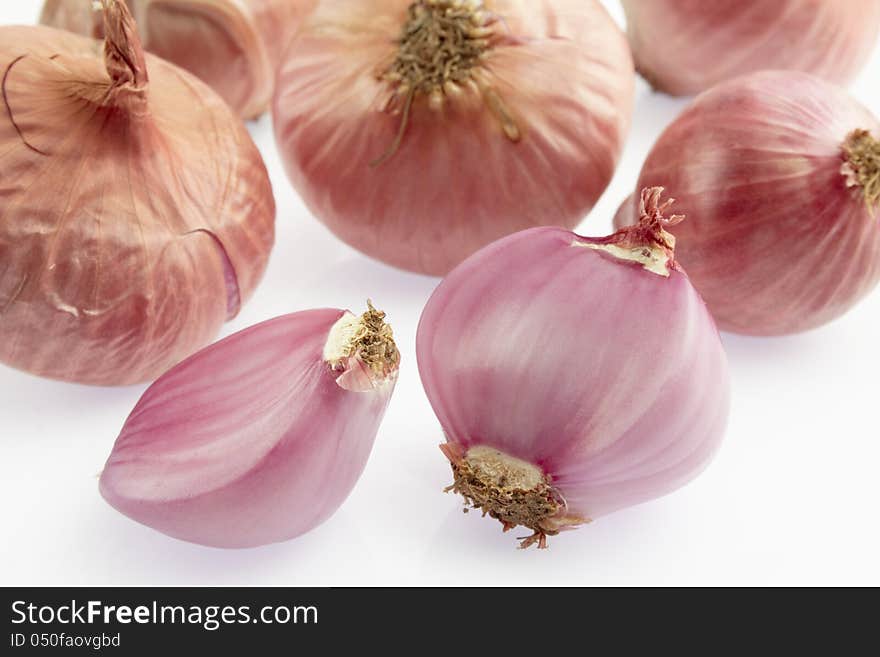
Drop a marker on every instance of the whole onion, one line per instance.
(779, 176)
(686, 46)
(135, 215)
(232, 45)
(260, 437)
(420, 131)
(573, 376)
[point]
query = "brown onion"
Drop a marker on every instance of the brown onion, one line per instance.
(135, 214)
(233, 45)
(778, 174)
(686, 46)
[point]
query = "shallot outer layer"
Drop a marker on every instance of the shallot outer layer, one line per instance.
(529, 135)
(780, 237)
(253, 440)
(608, 377)
(232, 45)
(686, 46)
(136, 214)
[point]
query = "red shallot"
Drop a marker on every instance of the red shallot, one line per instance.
(686, 46)
(779, 176)
(136, 214)
(260, 437)
(232, 45)
(420, 131)
(573, 376)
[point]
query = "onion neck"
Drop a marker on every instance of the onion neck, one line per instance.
(647, 243)
(124, 58)
(513, 491)
(861, 167)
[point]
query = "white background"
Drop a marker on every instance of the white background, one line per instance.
(793, 497)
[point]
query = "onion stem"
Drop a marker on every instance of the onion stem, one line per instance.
(123, 52)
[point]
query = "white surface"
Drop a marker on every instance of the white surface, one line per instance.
(792, 498)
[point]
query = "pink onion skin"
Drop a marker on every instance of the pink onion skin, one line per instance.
(132, 224)
(456, 183)
(248, 442)
(775, 241)
(610, 378)
(684, 47)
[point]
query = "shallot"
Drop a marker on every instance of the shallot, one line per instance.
(232, 45)
(136, 214)
(420, 131)
(573, 376)
(779, 176)
(260, 437)
(686, 46)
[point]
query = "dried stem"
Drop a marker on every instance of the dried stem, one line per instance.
(647, 243)
(123, 52)
(650, 231)
(652, 218)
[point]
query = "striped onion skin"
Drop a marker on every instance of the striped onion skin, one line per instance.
(458, 181)
(250, 441)
(775, 240)
(134, 219)
(609, 378)
(684, 47)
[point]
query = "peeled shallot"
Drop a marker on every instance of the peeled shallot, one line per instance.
(260, 437)
(573, 376)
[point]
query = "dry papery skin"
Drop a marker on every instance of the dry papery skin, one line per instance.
(861, 153)
(136, 213)
(511, 490)
(232, 45)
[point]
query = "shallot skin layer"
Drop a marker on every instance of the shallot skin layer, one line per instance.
(528, 133)
(610, 378)
(684, 47)
(135, 215)
(232, 45)
(248, 442)
(778, 238)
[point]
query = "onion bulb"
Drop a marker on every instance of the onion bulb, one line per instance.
(420, 131)
(683, 47)
(573, 376)
(779, 176)
(260, 437)
(136, 214)
(232, 45)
